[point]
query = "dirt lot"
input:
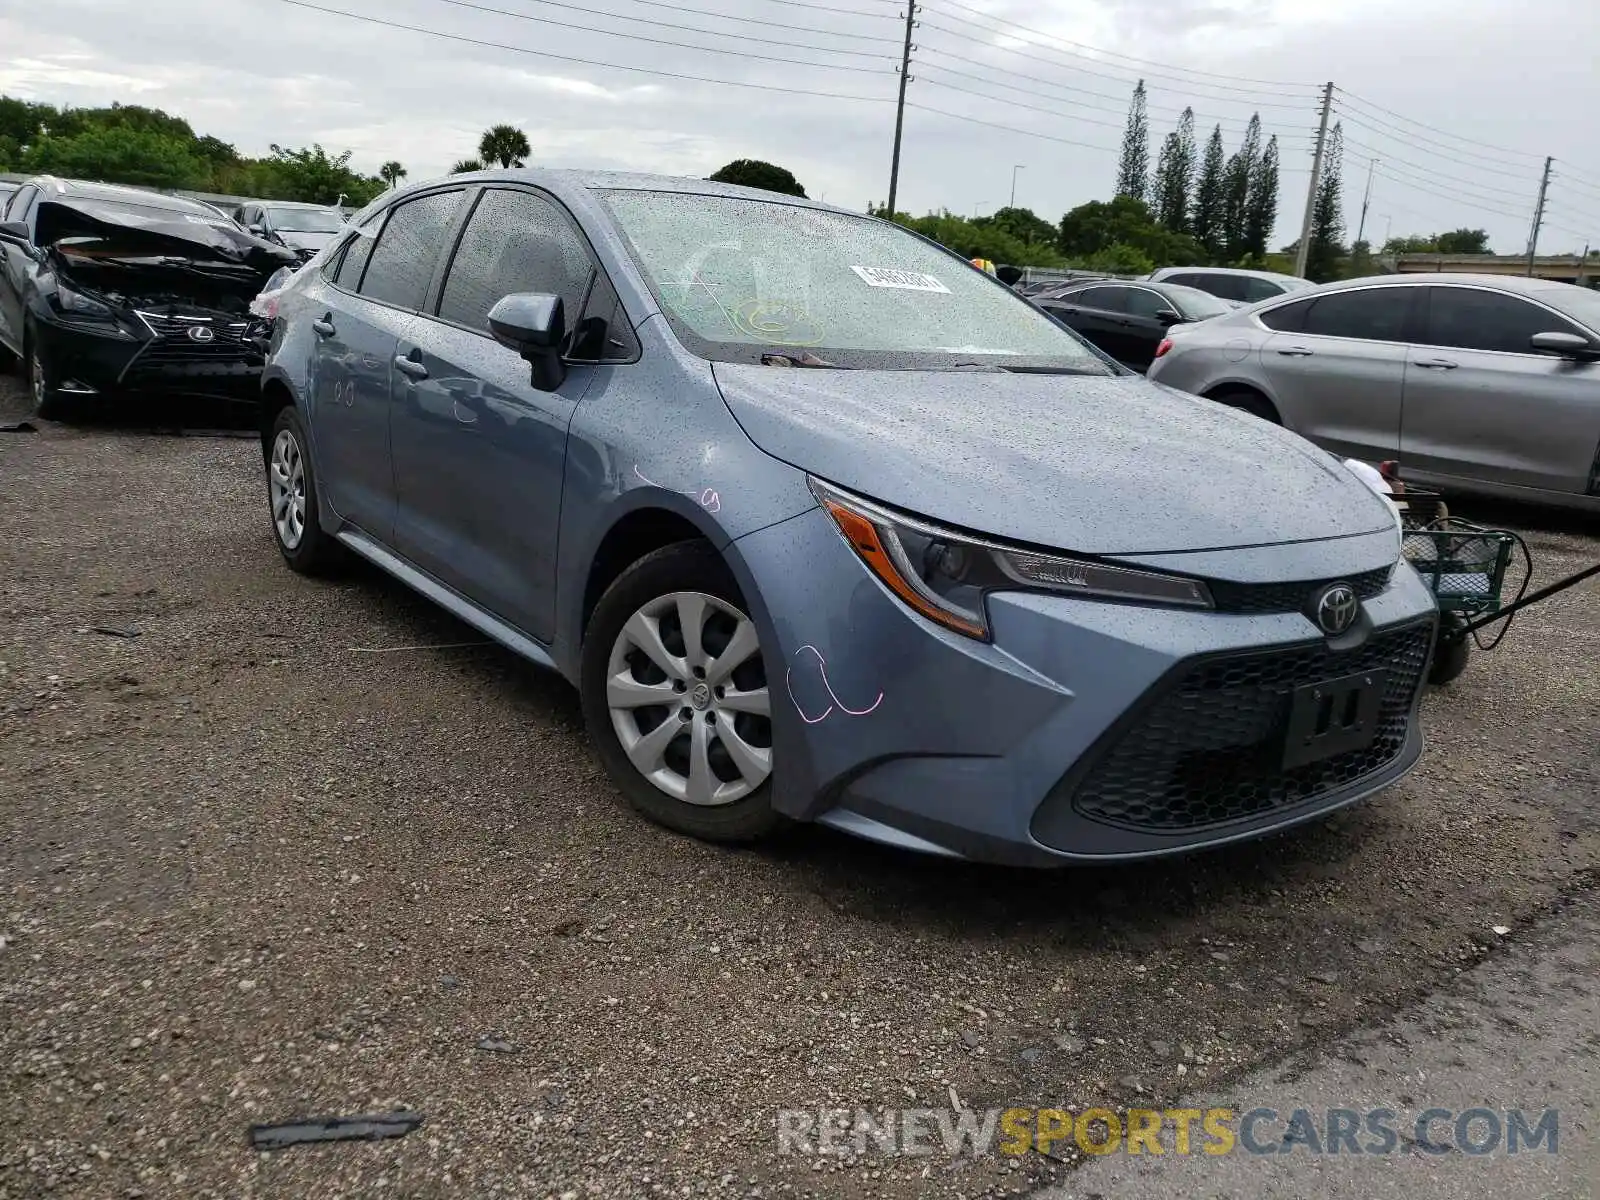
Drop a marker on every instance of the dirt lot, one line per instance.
(250, 873)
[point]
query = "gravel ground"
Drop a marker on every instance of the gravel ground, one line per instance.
(248, 874)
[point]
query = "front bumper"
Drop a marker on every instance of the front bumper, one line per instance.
(1086, 731)
(147, 351)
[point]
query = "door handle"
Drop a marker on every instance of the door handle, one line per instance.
(1436, 364)
(1295, 352)
(410, 366)
(324, 325)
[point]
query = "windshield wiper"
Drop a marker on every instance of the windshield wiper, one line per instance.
(801, 359)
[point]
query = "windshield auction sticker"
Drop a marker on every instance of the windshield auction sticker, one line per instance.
(911, 281)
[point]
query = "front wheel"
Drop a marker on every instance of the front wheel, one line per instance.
(675, 695)
(47, 401)
(1451, 650)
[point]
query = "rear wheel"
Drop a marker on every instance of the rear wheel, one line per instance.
(675, 696)
(1248, 401)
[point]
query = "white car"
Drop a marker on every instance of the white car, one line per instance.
(1233, 283)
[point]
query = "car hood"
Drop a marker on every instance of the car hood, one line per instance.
(1096, 465)
(172, 234)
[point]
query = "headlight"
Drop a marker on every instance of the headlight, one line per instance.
(944, 575)
(1373, 478)
(80, 305)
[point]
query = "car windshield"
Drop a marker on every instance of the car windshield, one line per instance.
(740, 278)
(304, 220)
(1194, 303)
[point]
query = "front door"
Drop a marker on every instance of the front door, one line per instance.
(1480, 403)
(479, 453)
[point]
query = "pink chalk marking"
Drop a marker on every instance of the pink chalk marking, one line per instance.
(822, 667)
(788, 682)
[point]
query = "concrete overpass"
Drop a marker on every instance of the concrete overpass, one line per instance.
(1568, 268)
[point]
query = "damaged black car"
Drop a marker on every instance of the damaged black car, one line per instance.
(110, 289)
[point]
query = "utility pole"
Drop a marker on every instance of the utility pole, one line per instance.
(1366, 199)
(1538, 214)
(900, 106)
(1316, 178)
(1014, 170)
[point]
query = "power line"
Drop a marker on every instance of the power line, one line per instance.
(1577, 182)
(1244, 98)
(764, 22)
(1447, 153)
(1143, 62)
(640, 37)
(849, 12)
(1378, 155)
(1120, 101)
(586, 62)
(1479, 206)
(1052, 112)
(1010, 128)
(1475, 142)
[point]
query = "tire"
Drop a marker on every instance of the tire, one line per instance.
(1245, 400)
(1451, 649)
(292, 500)
(716, 705)
(48, 404)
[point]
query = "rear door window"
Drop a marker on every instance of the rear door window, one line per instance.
(1371, 314)
(514, 241)
(403, 261)
(1259, 289)
(1473, 319)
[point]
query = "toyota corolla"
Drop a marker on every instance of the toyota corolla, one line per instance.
(827, 526)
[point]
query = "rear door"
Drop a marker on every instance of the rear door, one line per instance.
(378, 286)
(1337, 364)
(1097, 313)
(479, 453)
(1480, 403)
(1141, 330)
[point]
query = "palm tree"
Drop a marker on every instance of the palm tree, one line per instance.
(465, 165)
(504, 144)
(391, 173)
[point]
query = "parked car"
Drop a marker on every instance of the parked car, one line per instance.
(109, 288)
(1233, 283)
(303, 228)
(827, 526)
(1476, 383)
(1129, 320)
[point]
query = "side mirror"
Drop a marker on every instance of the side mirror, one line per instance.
(534, 324)
(16, 233)
(1567, 345)
(256, 228)
(1169, 316)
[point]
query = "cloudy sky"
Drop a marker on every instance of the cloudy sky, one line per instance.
(1457, 100)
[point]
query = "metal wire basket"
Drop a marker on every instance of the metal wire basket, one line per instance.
(1464, 564)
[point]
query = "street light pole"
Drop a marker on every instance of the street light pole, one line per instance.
(1014, 170)
(977, 206)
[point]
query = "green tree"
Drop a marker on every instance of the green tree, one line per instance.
(1022, 224)
(1241, 169)
(1327, 213)
(1261, 202)
(1208, 219)
(504, 144)
(310, 175)
(1464, 241)
(466, 166)
(1175, 175)
(1133, 168)
(118, 154)
(1096, 227)
(752, 172)
(392, 173)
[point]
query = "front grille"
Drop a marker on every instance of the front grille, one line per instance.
(1208, 749)
(234, 348)
(1291, 597)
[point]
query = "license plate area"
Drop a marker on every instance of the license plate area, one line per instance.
(1333, 717)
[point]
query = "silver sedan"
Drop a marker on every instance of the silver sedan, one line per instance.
(1476, 383)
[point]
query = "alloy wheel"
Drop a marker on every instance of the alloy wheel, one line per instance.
(287, 488)
(687, 691)
(36, 383)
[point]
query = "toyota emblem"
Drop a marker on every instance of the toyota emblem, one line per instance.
(1335, 608)
(201, 333)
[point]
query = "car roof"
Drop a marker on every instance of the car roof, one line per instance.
(1520, 284)
(289, 204)
(1243, 271)
(624, 181)
(118, 194)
